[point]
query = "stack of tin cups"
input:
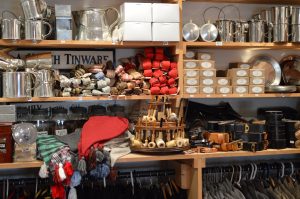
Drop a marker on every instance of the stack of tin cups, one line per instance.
(295, 24)
(280, 17)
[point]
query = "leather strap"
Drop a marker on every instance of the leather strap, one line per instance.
(254, 146)
(254, 137)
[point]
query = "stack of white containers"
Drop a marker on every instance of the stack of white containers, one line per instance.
(149, 22)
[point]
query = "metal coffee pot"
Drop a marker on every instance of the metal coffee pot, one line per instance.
(92, 23)
(11, 27)
(45, 88)
(34, 9)
(18, 84)
(34, 30)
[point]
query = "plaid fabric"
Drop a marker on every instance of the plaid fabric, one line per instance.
(61, 156)
(47, 145)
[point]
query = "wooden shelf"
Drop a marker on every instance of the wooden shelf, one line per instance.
(265, 95)
(133, 157)
(283, 2)
(240, 45)
(81, 44)
(93, 98)
(21, 165)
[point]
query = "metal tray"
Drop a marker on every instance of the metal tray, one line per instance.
(158, 151)
(271, 66)
(280, 89)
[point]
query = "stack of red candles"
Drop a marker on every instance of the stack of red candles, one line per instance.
(162, 73)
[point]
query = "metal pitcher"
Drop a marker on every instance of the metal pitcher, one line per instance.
(34, 9)
(256, 30)
(281, 32)
(34, 30)
(45, 88)
(11, 27)
(92, 23)
(226, 30)
(18, 84)
(241, 28)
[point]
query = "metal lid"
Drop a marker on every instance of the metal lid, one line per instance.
(280, 89)
(190, 31)
(209, 32)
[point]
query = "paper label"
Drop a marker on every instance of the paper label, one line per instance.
(241, 73)
(190, 54)
(208, 81)
(224, 90)
(61, 132)
(257, 73)
(208, 73)
(222, 82)
(206, 65)
(191, 90)
(245, 66)
(241, 89)
(257, 89)
(208, 90)
(190, 64)
(192, 82)
(257, 81)
(42, 133)
(241, 81)
(191, 73)
(205, 56)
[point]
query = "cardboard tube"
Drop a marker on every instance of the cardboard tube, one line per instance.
(146, 143)
(171, 143)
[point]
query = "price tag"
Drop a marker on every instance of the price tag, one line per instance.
(165, 43)
(241, 95)
(256, 95)
(61, 132)
(63, 41)
(29, 99)
(80, 98)
(207, 95)
(42, 133)
(219, 43)
(192, 95)
(224, 95)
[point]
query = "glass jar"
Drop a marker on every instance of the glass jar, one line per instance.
(60, 118)
(78, 116)
(23, 114)
(40, 118)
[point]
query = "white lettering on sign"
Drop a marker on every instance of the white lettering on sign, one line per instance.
(69, 59)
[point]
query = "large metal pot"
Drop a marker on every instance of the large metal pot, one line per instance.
(241, 31)
(226, 29)
(18, 84)
(256, 30)
(34, 30)
(280, 32)
(92, 23)
(11, 27)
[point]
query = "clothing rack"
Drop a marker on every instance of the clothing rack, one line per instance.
(154, 173)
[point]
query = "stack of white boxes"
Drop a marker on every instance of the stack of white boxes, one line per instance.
(200, 74)
(149, 22)
(257, 81)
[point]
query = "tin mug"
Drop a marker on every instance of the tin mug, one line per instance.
(34, 30)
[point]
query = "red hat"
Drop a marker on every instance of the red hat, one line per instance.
(173, 90)
(159, 51)
(157, 73)
(156, 64)
(162, 79)
(154, 82)
(173, 73)
(148, 73)
(155, 90)
(147, 64)
(171, 82)
(165, 65)
(173, 65)
(99, 129)
(164, 90)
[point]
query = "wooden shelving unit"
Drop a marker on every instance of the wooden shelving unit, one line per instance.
(81, 44)
(240, 45)
(287, 2)
(265, 95)
(93, 98)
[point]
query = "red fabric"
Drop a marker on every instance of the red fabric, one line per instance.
(157, 73)
(99, 129)
(156, 64)
(148, 73)
(147, 64)
(162, 79)
(165, 65)
(154, 82)
(173, 65)
(159, 57)
(173, 73)
(164, 90)
(69, 172)
(171, 81)
(155, 91)
(173, 90)
(159, 51)
(58, 191)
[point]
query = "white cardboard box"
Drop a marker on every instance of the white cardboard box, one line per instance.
(165, 32)
(136, 31)
(136, 12)
(165, 12)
